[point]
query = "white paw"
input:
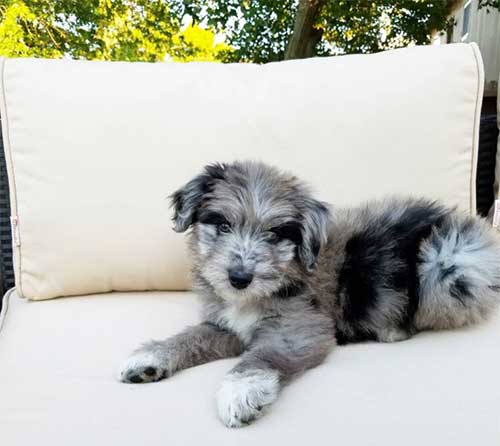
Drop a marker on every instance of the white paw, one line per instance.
(141, 367)
(242, 396)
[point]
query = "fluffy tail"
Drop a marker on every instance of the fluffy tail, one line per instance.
(459, 274)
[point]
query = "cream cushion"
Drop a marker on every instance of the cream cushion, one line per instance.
(94, 148)
(58, 387)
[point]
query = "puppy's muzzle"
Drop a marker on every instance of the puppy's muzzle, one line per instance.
(239, 278)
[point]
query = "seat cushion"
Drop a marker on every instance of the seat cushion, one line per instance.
(94, 148)
(58, 387)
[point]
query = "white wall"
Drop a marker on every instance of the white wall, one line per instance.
(484, 29)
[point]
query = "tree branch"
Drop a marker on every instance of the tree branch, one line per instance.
(305, 36)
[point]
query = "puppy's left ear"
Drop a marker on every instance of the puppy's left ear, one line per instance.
(188, 199)
(315, 223)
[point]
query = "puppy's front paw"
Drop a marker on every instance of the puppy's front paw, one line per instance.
(143, 366)
(243, 396)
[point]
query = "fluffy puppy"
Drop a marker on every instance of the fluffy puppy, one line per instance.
(283, 281)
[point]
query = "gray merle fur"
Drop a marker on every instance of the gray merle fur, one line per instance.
(382, 271)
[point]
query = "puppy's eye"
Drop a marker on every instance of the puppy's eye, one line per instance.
(224, 228)
(272, 237)
(213, 218)
(288, 231)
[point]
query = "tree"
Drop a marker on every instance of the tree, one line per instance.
(257, 30)
(147, 30)
(197, 44)
(267, 30)
(252, 30)
(24, 34)
(306, 35)
(489, 4)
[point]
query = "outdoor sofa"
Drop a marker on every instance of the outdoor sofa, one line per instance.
(91, 151)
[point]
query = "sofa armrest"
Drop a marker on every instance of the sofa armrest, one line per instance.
(6, 266)
(485, 178)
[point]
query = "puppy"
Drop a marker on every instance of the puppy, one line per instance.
(283, 280)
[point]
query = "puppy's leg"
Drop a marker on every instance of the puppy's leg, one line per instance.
(196, 345)
(271, 362)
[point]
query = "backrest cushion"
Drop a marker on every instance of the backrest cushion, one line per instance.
(94, 148)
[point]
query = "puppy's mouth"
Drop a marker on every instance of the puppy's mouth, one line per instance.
(234, 285)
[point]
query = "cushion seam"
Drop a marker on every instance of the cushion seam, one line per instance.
(5, 308)
(475, 131)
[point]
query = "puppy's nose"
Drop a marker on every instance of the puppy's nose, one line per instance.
(239, 278)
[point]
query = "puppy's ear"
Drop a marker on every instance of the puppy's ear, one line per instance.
(188, 199)
(315, 224)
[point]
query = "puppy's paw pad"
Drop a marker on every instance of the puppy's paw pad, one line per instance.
(142, 367)
(242, 397)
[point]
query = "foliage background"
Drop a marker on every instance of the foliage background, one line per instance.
(211, 30)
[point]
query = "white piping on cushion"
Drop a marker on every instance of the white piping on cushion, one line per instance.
(16, 250)
(477, 121)
(5, 307)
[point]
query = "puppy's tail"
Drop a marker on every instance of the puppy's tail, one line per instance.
(459, 274)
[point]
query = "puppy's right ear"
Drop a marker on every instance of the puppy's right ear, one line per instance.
(187, 200)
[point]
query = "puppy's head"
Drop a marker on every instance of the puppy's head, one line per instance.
(256, 231)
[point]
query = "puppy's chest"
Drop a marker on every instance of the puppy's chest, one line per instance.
(241, 320)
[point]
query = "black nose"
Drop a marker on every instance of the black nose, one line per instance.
(239, 279)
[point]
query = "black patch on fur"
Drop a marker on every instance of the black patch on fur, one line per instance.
(289, 231)
(460, 289)
(445, 272)
(211, 218)
(216, 171)
(314, 303)
(136, 379)
(214, 326)
(193, 193)
(290, 290)
(344, 339)
(315, 247)
(317, 215)
(385, 255)
(358, 276)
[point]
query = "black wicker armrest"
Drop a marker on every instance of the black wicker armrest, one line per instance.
(6, 266)
(485, 178)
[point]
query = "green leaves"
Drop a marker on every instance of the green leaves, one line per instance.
(489, 4)
(131, 30)
(257, 30)
(198, 44)
(211, 30)
(23, 34)
(138, 30)
(354, 26)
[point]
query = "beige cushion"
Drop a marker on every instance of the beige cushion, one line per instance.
(94, 148)
(58, 387)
